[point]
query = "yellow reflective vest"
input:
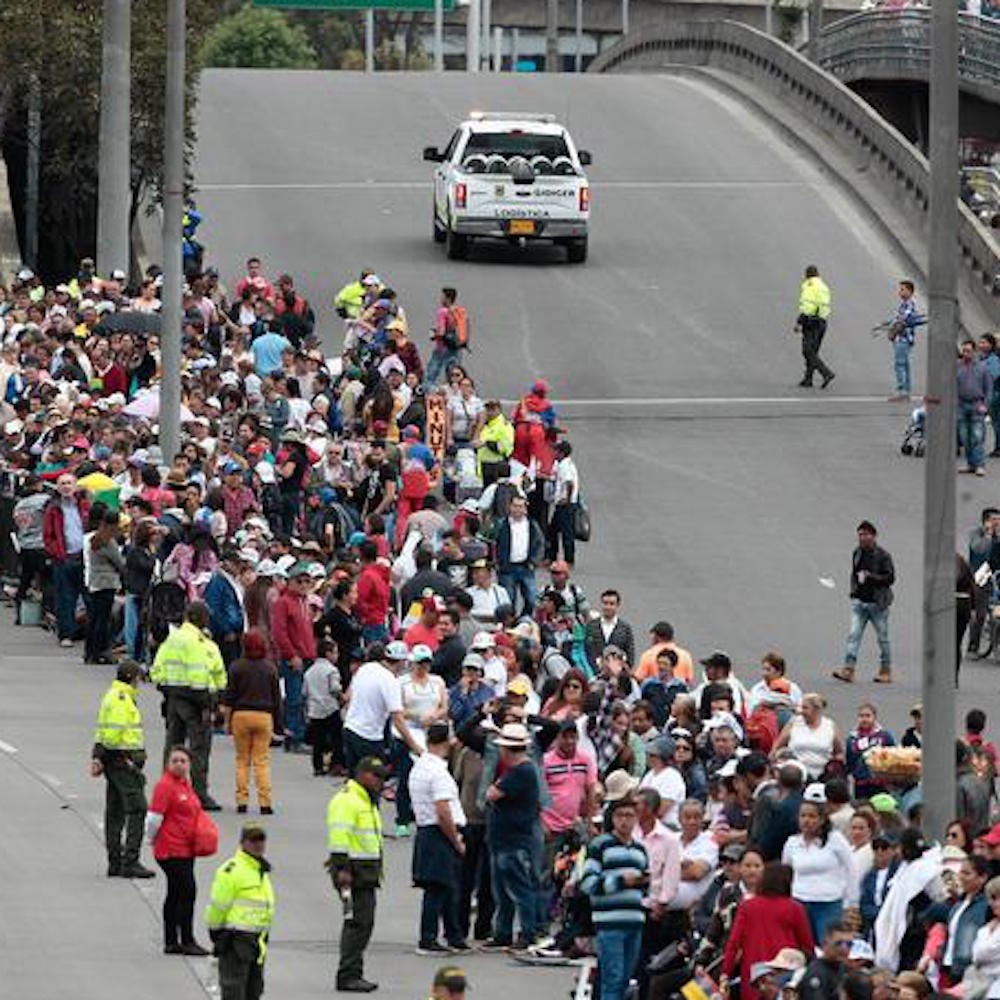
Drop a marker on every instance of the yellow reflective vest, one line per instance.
(814, 298)
(497, 438)
(354, 834)
(119, 722)
(242, 899)
(189, 659)
(350, 298)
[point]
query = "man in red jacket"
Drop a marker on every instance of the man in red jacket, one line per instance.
(64, 522)
(293, 638)
(373, 594)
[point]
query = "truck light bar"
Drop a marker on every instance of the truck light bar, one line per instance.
(512, 116)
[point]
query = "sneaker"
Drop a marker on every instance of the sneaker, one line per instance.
(403, 830)
(806, 383)
(431, 948)
(66, 643)
(495, 944)
(241, 809)
(459, 947)
(827, 379)
(845, 674)
(980, 471)
(210, 805)
(194, 950)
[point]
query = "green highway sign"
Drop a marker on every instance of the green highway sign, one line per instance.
(353, 4)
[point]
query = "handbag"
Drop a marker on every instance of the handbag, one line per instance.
(206, 836)
(581, 521)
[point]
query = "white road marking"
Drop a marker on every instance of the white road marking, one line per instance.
(827, 582)
(50, 779)
(680, 185)
(7, 748)
(717, 400)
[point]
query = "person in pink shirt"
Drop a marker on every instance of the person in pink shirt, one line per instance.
(571, 778)
(663, 848)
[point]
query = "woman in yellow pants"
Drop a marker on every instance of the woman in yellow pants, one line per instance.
(253, 704)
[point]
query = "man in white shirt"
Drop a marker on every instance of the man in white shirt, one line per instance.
(439, 847)
(520, 547)
(699, 856)
(375, 698)
(486, 594)
(566, 501)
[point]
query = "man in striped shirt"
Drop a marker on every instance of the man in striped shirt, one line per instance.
(614, 878)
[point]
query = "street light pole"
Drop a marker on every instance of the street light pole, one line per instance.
(815, 27)
(624, 18)
(173, 216)
(939, 464)
(370, 40)
(552, 36)
(472, 33)
(578, 55)
(438, 36)
(114, 167)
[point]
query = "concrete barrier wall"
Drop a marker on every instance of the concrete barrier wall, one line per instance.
(892, 162)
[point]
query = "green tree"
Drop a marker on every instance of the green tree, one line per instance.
(70, 112)
(258, 38)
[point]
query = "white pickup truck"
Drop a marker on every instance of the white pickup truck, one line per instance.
(512, 177)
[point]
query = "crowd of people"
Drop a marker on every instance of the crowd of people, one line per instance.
(359, 559)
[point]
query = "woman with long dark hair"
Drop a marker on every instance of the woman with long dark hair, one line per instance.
(567, 702)
(820, 859)
(170, 827)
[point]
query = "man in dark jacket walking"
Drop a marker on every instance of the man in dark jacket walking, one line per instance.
(64, 522)
(872, 577)
(520, 547)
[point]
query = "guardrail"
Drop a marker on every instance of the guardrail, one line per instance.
(900, 169)
(896, 44)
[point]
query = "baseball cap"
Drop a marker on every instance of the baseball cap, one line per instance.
(861, 951)
(732, 852)
(887, 838)
(397, 650)
(452, 978)
(474, 661)
(815, 792)
(662, 747)
(483, 640)
(718, 659)
(421, 653)
(374, 765)
(883, 803)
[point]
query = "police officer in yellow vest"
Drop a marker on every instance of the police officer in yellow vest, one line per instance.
(119, 754)
(495, 444)
(348, 301)
(188, 669)
(239, 916)
(814, 311)
(354, 831)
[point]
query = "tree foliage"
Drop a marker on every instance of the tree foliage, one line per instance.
(258, 37)
(60, 41)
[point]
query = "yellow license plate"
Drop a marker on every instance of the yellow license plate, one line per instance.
(522, 227)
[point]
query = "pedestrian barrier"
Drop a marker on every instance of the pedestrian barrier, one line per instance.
(893, 163)
(896, 45)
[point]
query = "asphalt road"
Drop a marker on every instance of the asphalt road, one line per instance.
(724, 497)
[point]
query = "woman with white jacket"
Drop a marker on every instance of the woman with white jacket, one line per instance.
(984, 973)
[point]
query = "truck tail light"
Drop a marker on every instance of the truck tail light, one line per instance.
(585, 199)
(460, 195)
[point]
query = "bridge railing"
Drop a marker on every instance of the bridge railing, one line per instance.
(897, 44)
(894, 163)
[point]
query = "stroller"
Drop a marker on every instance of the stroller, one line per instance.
(913, 438)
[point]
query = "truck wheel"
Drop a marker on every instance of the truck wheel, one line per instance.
(440, 233)
(458, 246)
(576, 251)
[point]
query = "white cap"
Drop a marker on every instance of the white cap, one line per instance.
(286, 562)
(483, 640)
(815, 793)
(118, 274)
(213, 401)
(266, 472)
(421, 653)
(87, 304)
(317, 571)
(25, 274)
(250, 556)
(13, 427)
(269, 568)
(58, 310)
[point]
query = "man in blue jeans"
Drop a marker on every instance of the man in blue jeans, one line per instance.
(520, 547)
(512, 831)
(872, 577)
(902, 333)
(975, 390)
(64, 521)
(614, 878)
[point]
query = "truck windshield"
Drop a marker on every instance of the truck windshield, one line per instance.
(516, 144)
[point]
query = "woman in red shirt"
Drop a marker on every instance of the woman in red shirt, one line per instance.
(170, 828)
(765, 924)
